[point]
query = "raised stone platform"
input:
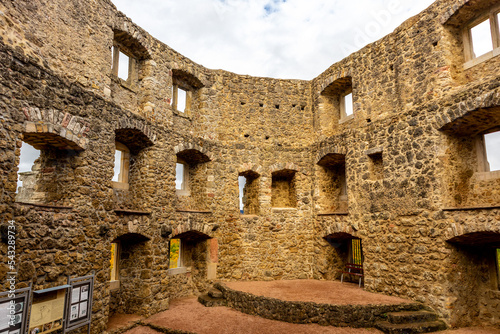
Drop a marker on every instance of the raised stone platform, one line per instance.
(307, 301)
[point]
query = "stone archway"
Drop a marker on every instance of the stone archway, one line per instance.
(348, 250)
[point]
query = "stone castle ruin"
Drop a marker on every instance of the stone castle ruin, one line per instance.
(142, 149)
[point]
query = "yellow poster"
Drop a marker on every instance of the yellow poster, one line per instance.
(47, 314)
(113, 261)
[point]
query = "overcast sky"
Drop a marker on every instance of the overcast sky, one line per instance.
(292, 39)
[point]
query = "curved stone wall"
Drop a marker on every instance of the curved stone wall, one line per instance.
(413, 102)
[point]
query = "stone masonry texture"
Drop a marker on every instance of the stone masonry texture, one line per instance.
(405, 174)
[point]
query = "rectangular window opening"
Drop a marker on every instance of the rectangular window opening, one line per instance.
(181, 100)
(492, 144)
(481, 39)
(175, 253)
(348, 107)
(26, 175)
(121, 167)
(123, 66)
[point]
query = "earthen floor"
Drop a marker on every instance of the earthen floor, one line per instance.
(189, 315)
(326, 292)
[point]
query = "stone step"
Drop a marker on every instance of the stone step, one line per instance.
(208, 301)
(413, 328)
(215, 293)
(406, 317)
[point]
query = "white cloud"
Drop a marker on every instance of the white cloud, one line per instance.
(277, 38)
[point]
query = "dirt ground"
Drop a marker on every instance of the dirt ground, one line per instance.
(122, 320)
(328, 292)
(472, 330)
(189, 315)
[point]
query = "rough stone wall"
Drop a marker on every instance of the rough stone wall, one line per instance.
(255, 111)
(411, 163)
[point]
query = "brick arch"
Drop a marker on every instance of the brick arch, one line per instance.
(463, 11)
(286, 166)
(54, 128)
(132, 36)
(138, 126)
(329, 150)
(133, 227)
(190, 75)
(343, 73)
(459, 230)
(250, 168)
(470, 112)
(131, 237)
(184, 147)
(340, 228)
(200, 230)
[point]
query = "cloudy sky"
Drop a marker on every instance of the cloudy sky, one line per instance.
(292, 39)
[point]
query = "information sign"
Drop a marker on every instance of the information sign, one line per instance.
(14, 307)
(79, 306)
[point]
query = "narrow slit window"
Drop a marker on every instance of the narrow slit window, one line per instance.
(481, 38)
(181, 100)
(113, 57)
(348, 107)
(123, 66)
(492, 144)
(179, 177)
(121, 167)
(241, 184)
(118, 165)
(175, 253)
